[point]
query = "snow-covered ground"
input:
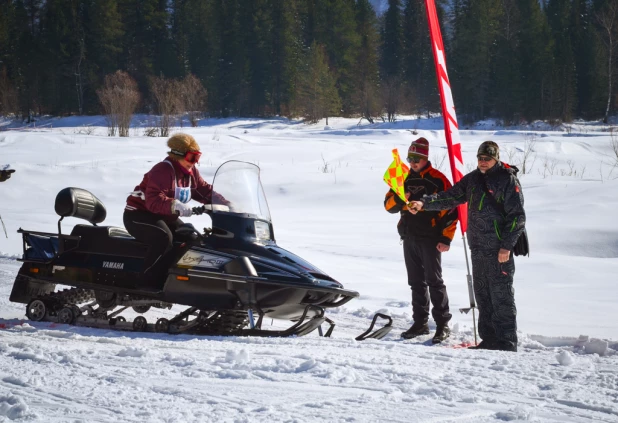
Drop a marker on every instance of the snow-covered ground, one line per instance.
(325, 191)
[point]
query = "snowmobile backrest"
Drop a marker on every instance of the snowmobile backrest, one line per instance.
(77, 202)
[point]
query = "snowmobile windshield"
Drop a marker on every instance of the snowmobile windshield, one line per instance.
(239, 183)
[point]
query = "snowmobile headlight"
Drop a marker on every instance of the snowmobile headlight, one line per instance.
(262, 230)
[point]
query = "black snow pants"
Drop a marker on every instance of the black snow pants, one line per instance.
(424, 266)
(150, 229)
(495, 297)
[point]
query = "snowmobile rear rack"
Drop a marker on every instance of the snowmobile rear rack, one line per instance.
(379, 333)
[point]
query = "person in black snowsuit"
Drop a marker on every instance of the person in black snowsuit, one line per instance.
(425, 237)
(491, 236)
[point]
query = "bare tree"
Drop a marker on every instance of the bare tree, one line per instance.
(528, 156)
(613, 143)
(438, 160)
(608, 20)
(194, 97)
(119, 98)
(167, 97)
(78, 77)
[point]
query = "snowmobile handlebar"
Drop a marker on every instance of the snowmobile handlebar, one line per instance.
(196, 211)
(208, 208)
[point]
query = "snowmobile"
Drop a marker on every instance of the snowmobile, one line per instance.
(224, 276)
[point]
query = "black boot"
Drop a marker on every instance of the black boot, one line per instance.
(442, 332)
(417, 329)
(495, 345)
(488, 344)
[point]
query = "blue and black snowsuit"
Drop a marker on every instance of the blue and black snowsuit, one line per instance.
(488, 232)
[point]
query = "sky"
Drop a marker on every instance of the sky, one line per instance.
(325, 191)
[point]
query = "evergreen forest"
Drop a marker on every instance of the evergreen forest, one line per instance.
(511, 60)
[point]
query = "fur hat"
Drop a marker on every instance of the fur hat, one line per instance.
(180, 144)
(489, 148)
(419, 148)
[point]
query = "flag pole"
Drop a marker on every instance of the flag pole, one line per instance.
(451, 133)
(470, 291)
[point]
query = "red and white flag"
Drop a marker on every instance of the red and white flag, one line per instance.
(451, 129)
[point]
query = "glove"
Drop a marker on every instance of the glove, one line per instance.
(182, 209)
(5, 174)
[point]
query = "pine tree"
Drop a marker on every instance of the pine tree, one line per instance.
(258, 39)
(61, 35)
(231, 72)
(335, 29)
(391, 41)
(479, 27)
(366, 96)
(28, 50)
(419, 75)
(317, 92)
(286, 53)
(391, 58)
(146, 43)
(202, 43)
(506, 88)
(534, 54)
(563, 88)
(9, 100)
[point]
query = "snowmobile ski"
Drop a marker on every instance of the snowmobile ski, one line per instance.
(378, 333)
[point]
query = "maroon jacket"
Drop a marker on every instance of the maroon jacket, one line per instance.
(155, 193)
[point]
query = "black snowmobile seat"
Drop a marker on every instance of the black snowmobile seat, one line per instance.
(109, 240)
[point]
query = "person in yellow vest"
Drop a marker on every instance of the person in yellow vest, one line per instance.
(425, 237)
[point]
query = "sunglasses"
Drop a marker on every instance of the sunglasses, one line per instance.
(193, 156)
(484, 158)
(414, 159)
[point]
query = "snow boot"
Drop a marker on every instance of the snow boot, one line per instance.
(442, 332)
(417, 329)
(494, 345)
(487, 344)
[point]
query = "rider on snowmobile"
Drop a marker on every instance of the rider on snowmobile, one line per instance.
(152, 210)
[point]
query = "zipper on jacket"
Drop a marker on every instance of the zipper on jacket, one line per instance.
(471, 197)
(514, 224)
